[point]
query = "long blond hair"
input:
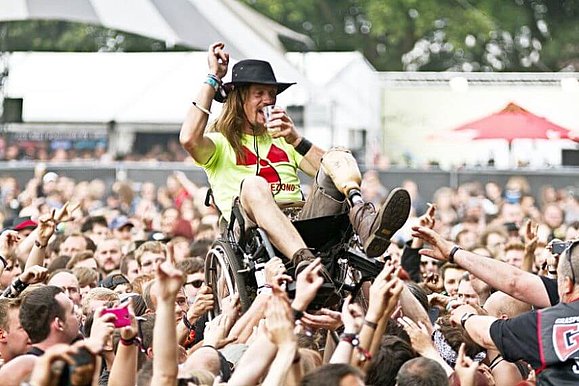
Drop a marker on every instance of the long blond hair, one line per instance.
(232, 119)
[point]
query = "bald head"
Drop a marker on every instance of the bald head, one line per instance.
(205, 358)
(69, 284)
(502, 306)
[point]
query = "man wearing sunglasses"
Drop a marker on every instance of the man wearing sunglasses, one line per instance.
(193, 268)
(547, 339)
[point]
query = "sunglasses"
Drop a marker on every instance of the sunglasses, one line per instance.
(195, 283)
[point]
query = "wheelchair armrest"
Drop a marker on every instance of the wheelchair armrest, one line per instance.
(368, 267)
(237, 216)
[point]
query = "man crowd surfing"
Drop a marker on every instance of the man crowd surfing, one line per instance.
(105, 285)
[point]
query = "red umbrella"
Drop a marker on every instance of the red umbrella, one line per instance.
(513, 122)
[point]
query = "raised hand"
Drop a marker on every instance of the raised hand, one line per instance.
(307, 285)
(427, 220)
(8, 242)
(465, 367)
(33, 275)
(352, 316)
(440, 247)
(433, 281)
(323, 318)
(216, 331)
(131, 331)
(275, 273)
(380, 292)
(65, 213)
(45, 374)
(102, 329)
(46, 227)
(203, 302)
(281, 125)
(218, 59)
(231, 308)
(169, 281)
(531, 231)
(418, 333)
(279, 322)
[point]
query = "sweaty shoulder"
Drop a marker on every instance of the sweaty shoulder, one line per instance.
(17, 370)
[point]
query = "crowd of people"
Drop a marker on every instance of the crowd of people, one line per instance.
(72, 248)
(105, 285)
(70, 150)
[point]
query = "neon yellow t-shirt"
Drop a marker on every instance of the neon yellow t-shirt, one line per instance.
(278, 165)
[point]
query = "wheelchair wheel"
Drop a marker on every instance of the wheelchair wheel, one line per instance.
(222, 274)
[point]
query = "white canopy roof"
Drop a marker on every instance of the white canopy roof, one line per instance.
(193, 23)
(121, 87)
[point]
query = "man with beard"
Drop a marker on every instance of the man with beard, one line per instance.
(108, 254)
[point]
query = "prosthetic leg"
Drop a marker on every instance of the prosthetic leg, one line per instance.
(375, 228)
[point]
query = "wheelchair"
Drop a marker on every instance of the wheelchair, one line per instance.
(235, 262)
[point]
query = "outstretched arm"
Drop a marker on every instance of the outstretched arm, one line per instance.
(478, 327)
(519, 284)
(191, 136)
(164, 335)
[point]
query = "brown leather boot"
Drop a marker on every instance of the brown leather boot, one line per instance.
(303, 254)
(376, 228)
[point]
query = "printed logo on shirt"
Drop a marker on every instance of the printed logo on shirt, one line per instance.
(566, 340)
(266, 169)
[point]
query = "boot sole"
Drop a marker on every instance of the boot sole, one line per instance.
(392, 215)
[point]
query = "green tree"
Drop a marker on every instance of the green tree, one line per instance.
(434, 35)
(51, 35)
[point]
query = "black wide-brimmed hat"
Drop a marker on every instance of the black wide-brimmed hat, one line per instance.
(252, 71)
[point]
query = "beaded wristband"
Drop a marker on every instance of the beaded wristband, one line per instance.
(212, 82)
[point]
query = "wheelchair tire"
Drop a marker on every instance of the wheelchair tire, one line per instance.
(223, 276)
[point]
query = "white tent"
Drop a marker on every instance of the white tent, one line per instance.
(193, 23)
(152, 91)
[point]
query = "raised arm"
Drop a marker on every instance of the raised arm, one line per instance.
(478, 327)
(280, 326)
(8, 242)
(191, 136)
(164, 334)
(124, 368)
(519, 284)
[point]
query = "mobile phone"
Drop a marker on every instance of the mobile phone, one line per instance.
(558, 247)
(122, 316)
(80, 373)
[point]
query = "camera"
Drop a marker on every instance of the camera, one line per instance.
(122, 316)
(559, 247)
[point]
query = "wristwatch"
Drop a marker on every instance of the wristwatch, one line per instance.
(465, 317)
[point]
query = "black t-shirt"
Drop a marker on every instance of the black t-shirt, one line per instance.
(516, 338)
(551, 288)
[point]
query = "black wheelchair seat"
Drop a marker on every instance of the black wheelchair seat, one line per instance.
(321, 233)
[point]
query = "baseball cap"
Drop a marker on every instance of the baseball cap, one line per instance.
(121, 221)
(50, 177)
(25, 222)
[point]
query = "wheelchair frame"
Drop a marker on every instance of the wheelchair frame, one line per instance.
(235, 264)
